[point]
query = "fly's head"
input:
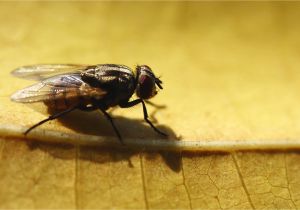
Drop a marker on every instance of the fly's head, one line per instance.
(146, 82)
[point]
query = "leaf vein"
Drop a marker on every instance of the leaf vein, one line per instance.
(184, 183)
(233, 155)
(143, 181)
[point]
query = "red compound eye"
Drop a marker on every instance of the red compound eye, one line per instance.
(146, 87)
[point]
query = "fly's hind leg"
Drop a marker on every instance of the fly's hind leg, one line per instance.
(52, 117)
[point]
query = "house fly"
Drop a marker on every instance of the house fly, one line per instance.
(66, 87)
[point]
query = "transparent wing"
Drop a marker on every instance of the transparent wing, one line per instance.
(58, 87)
(43, 71)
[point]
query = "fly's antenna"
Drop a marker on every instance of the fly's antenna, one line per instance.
(158, 82)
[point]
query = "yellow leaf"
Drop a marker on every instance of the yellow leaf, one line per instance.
(231, 81)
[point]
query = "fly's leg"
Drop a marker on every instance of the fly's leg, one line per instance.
(148, 121)
(137, 101)
(157, 108)
(52, 117)
(113, 125)
(155, 105)
(129, 104)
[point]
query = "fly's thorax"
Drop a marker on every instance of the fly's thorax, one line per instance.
(117, 81)
(100, 75)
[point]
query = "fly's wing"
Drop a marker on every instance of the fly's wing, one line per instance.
(43, 71)
(58, 87)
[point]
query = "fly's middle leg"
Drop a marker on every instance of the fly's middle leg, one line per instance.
(113, 125)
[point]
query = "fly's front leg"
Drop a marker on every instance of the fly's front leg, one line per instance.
(137, 101)
(149, 122)
(113, 125)
(129, 104)
(52, 117)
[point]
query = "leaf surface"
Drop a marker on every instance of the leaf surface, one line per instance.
(230, 72)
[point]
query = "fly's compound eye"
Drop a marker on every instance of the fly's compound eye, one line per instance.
(146, 82)
(146, 87)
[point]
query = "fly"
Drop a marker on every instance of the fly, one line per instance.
(66, 87)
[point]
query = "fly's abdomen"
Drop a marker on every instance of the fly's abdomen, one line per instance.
(62, 100)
